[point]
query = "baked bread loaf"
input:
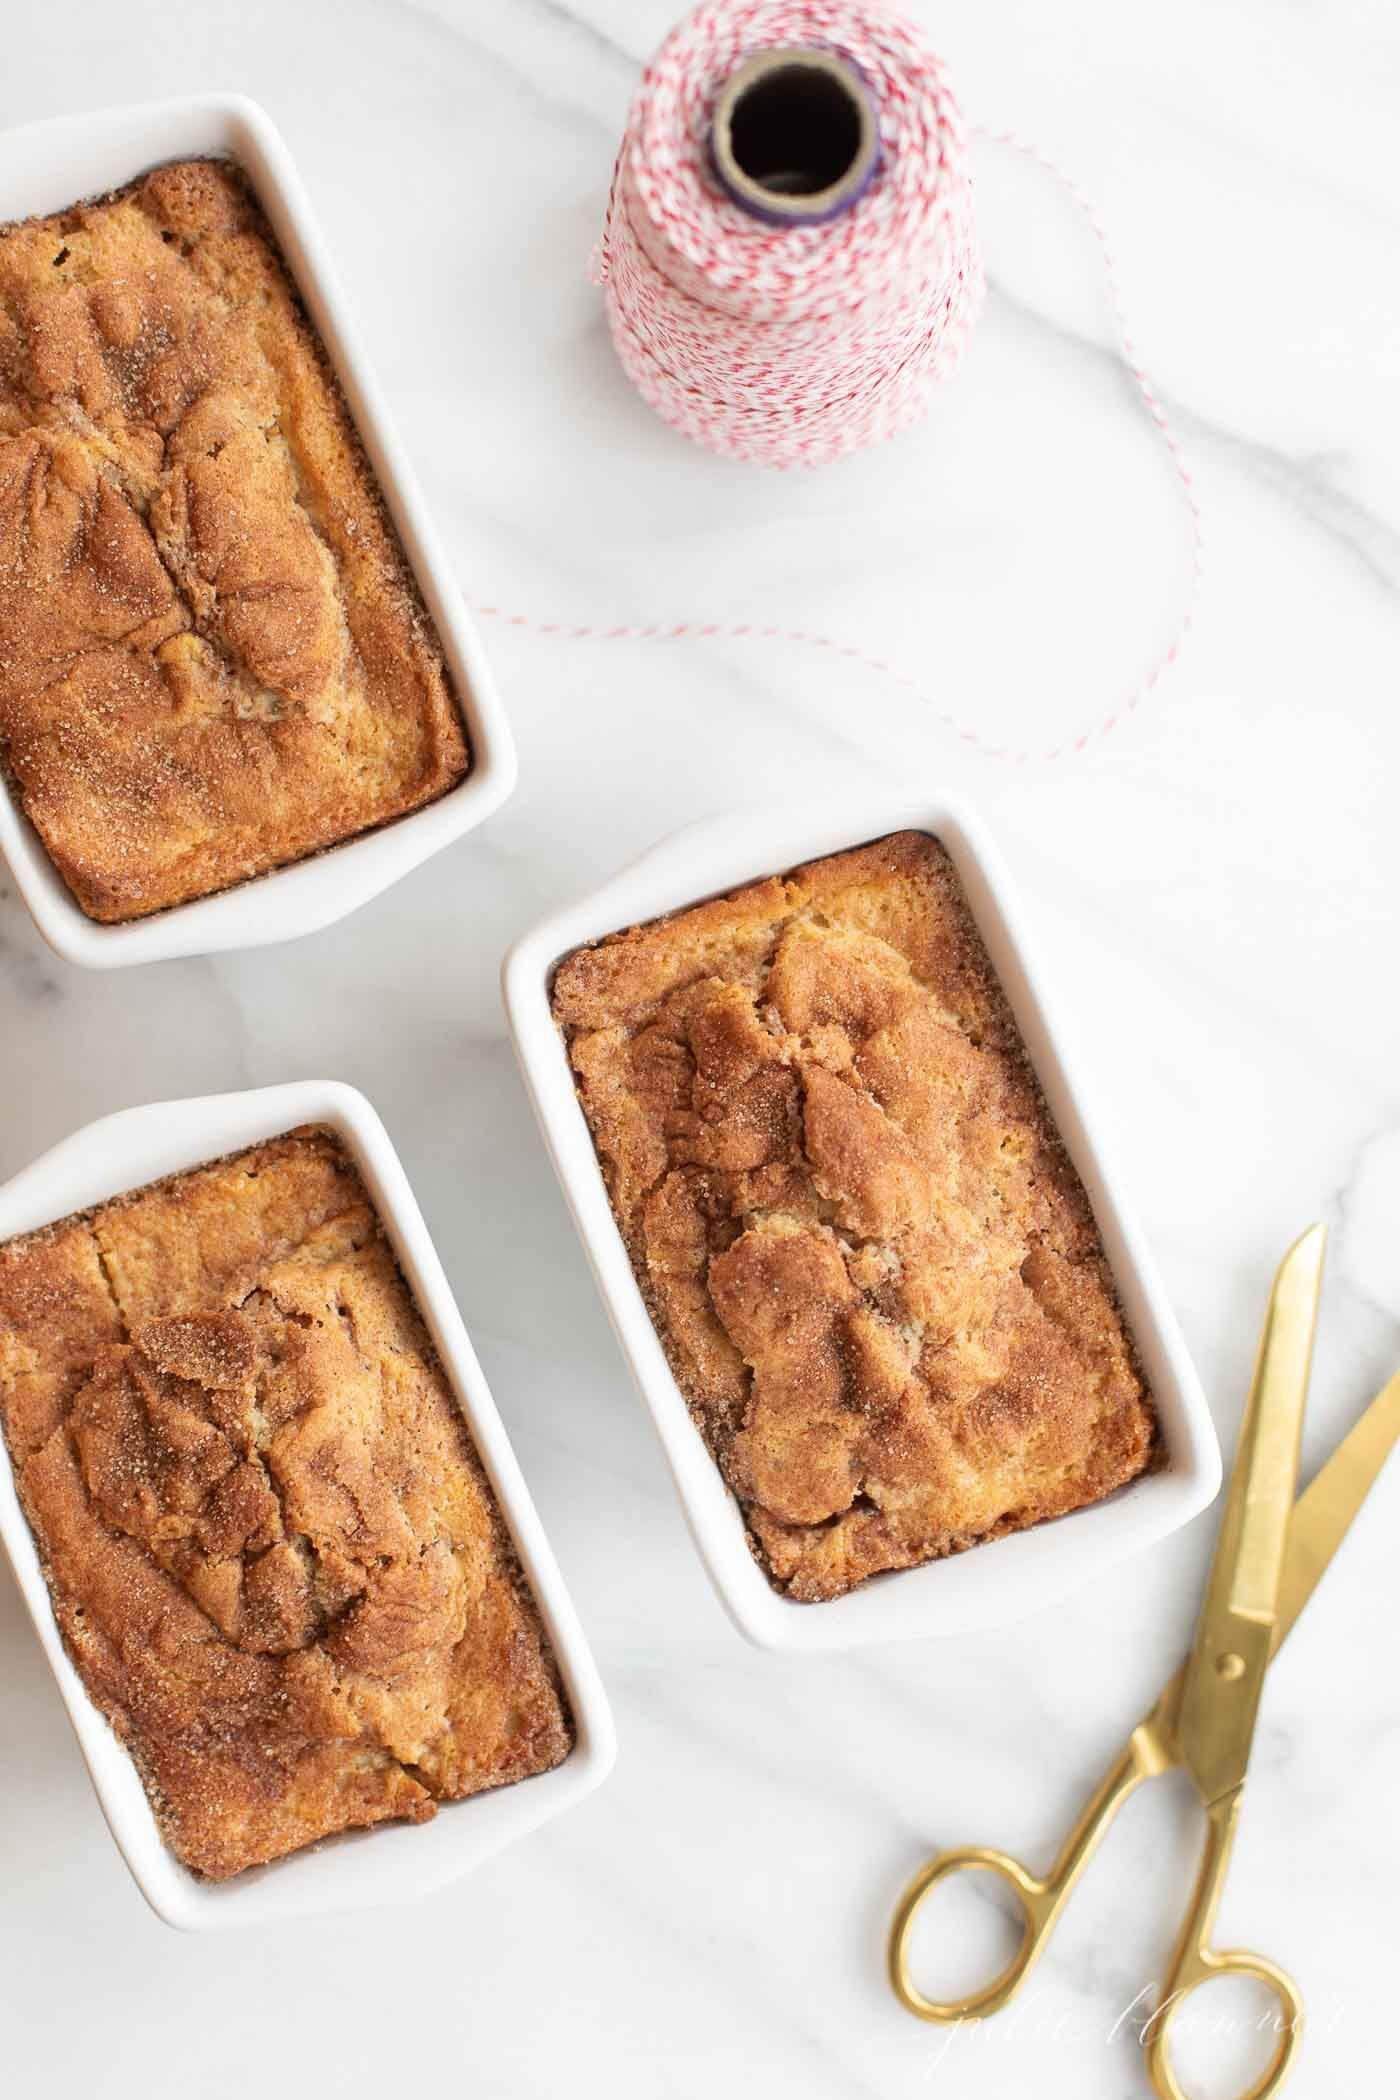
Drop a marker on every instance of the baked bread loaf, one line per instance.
(271, 1549)
(213, 657)
(873, 1268)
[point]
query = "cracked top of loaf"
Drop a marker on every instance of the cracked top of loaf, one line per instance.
(213, 657)
(873, 1268)
(271, 1549)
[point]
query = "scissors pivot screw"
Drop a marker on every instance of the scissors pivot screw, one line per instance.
(1229, 1666)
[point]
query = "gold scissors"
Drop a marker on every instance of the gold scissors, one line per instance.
(1271, 1554)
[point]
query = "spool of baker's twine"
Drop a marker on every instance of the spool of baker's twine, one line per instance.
(789, 257)
(790, 266)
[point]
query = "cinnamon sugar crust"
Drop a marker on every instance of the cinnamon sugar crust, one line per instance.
(213, 656)
(874, 1271)
(271, 1549)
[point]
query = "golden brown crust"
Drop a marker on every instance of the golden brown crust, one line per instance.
(213, 658)
(872, 1266)
(270, 1546)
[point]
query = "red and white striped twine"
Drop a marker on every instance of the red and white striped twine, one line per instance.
(790, 345)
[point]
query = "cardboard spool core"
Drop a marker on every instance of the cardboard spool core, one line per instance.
(794, 136)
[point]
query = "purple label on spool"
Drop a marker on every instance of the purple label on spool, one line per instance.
(795, 135)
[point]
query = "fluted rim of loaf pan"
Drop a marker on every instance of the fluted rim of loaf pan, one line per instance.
(47, 166)
(991, 1584)
(392, 1862)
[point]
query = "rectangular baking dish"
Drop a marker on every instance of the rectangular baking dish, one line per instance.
(45, 167)
(991, 1583)
(391, 1862)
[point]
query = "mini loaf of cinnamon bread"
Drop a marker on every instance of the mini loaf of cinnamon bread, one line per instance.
(272, 1551)
(874, 1270)
(213, 657)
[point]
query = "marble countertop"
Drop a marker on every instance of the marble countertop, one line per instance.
(1214, 887)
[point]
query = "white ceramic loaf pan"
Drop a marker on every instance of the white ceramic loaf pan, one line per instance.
(990, 1583)
(45, 167)
(393, 1861)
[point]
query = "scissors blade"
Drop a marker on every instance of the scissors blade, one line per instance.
(1235, 1633)
(1327, 1507)
(1322, 1516)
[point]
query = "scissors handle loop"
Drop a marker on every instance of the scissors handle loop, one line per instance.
(1195, 1962)
(1035, 1899)
(1040, 1901)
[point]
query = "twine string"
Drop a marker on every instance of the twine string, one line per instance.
(794, 345)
